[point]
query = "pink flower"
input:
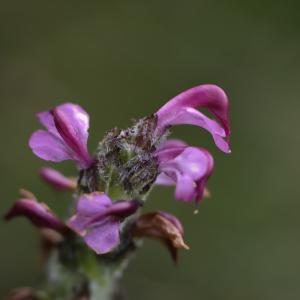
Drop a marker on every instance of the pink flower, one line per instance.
(66, 136)
(182, 110)
(98, 220)
(186, 167)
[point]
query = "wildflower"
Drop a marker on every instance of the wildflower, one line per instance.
(163, 227)
(128, 162)
(98, 219)
(181, 110)
(126, 165)
(187, 167)
(66, 136)
(57, 180)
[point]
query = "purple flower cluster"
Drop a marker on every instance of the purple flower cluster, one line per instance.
(97, 217)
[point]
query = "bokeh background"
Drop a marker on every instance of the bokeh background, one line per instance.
(124, 59)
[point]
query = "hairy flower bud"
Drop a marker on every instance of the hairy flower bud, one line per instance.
(125, 165)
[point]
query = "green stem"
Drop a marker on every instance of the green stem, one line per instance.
(75, 272)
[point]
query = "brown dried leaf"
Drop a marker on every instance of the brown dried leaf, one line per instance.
(156, 225)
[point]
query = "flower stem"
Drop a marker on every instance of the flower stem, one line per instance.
(75, 272)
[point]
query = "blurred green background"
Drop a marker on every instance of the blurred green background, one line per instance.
(124, 59)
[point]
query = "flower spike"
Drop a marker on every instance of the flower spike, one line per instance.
(126, 165)
(182, 110)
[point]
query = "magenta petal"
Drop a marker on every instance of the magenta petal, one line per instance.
(78, 223)
(77, 117)
(181, 110)
(97, 219)
(201, 182)
(46, 119)
(172, 143)
(189, 160)
(67, 135)
(104, 237)
(88, 207)
(186, 167)
(92, 204)
(57, 180)
(38, 213)
(49, 147)
(164, 179)
(73, 136)
(166, 154)
(193, 117)
(185, 188)
(192, 161)
(119, 210)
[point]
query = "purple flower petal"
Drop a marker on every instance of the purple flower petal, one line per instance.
(164, 179)
(104, 237)
(202, 181)
(74, 136)
(66, 138)
(168, 153)
(97, 220)
(77, 117)
(88, 206)
(57, 180)
(48, 146)
(91, 204)
(186, 167)
(192, 161)
(119, 209)
(46, 119)
(185, 188)
(181, 110)
(78, 223)
(38, 213)
(172, 143)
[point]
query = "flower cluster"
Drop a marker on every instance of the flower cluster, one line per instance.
(113, 183)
